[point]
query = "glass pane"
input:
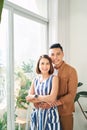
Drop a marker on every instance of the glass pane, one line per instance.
(3, 69)
(36, 6)
(29, 43)
(29, 37)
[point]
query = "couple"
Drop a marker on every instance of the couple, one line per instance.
(53, 95)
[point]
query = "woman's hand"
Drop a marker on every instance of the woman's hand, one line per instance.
(30, 98)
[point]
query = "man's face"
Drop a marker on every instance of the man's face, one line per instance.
(56, 55)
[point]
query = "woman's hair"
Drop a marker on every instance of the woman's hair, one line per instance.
(50, 61)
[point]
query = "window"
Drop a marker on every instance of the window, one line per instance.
(3, 65)
(24, 38)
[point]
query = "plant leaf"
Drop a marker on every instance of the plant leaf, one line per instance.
(80, 84)
(80, 94)
(1, 7)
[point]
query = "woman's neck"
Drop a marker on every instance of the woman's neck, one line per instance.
(44, 76)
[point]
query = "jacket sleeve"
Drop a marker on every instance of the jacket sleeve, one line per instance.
(71, 88)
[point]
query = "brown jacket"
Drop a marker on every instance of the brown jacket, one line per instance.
(67, 88)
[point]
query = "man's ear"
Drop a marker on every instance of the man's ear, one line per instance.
(63, 54)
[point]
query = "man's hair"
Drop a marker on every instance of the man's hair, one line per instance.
(56, 45)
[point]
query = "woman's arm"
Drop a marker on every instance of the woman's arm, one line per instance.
(54, 92)
(44, 98)
(31, 95)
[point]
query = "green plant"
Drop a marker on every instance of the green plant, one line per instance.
(23, 74)
(23, 92)
(3, 122)
(79, 95)
(28, 67)
(1, 7)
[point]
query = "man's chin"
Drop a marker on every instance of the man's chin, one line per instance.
(56, 64)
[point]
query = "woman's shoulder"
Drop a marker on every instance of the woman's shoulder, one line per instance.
(36, 78)
(54, 77)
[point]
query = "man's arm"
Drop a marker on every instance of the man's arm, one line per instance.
(71, 87)
(45, 105)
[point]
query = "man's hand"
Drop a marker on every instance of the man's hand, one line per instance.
(42, 105)
(45, 105)
(56, 103)
(37, 105)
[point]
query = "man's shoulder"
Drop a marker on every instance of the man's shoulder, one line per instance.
(69, 67)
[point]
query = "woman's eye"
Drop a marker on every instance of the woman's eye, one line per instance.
(47, 63)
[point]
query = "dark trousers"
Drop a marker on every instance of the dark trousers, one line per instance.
(66, 122)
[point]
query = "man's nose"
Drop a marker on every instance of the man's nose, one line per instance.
(55, 56)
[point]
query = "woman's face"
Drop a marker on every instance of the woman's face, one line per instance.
(44, 65)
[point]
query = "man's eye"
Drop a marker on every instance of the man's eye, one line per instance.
(58, 54)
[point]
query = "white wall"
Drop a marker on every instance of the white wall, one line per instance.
(59, 24)
(53, 21)
(72, 33)
(78, 52)
(78, 37)
(63, 26)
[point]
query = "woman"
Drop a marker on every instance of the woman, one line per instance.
(44, 89)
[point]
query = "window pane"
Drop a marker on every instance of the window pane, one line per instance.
(36, 6)
(29, 39)
(29, 43)
(3, 67)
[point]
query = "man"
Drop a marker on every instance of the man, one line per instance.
(67, 87)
